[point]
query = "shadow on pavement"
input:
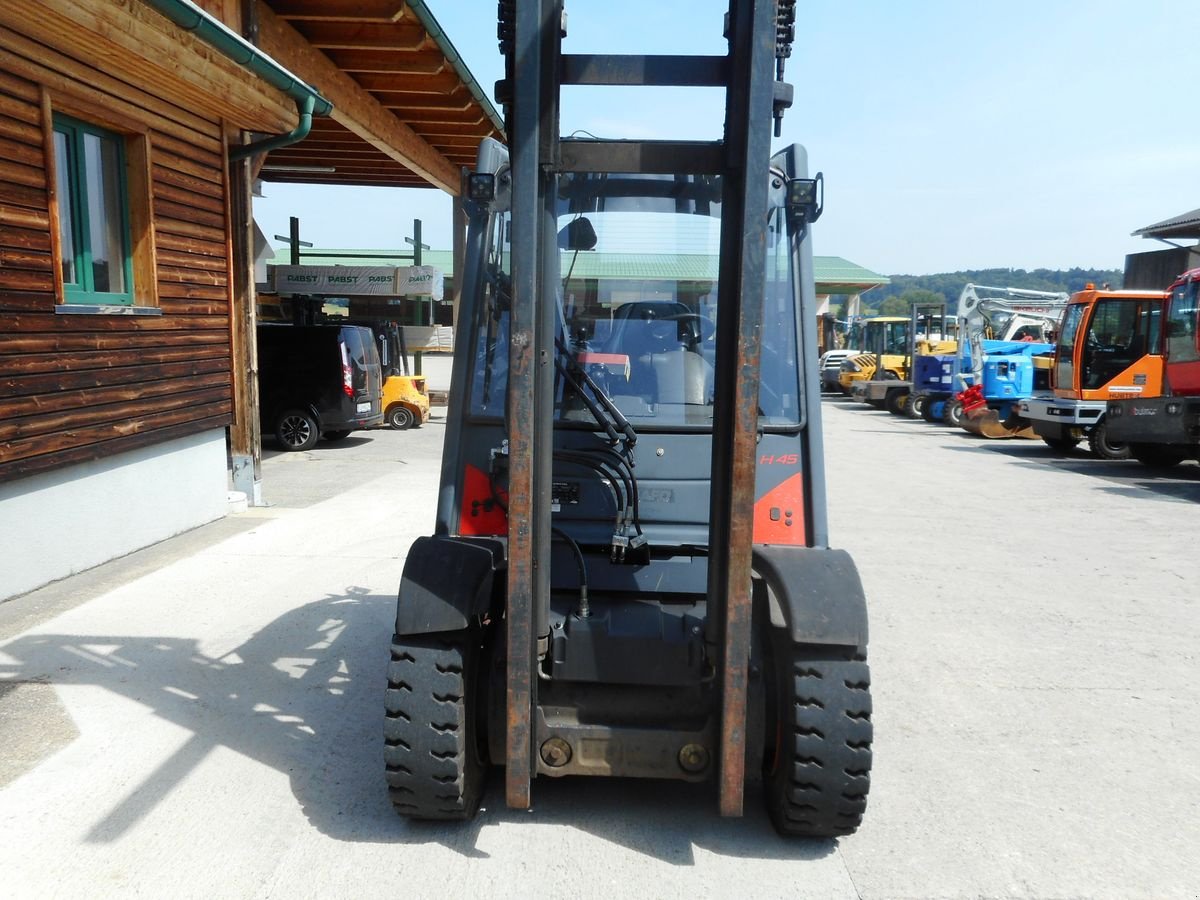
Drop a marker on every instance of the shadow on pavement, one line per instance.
(272, 449)
(305, 696)
(1126, 478)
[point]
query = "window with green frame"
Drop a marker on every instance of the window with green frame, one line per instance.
(93, 207)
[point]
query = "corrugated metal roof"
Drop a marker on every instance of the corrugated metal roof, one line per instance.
(833, 274)
(1186, 225)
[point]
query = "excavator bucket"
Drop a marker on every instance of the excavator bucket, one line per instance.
(979, 419)
(987, 423)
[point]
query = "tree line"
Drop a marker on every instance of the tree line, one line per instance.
(944, 287)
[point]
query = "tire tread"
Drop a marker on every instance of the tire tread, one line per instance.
(433, 770)
(820, 779)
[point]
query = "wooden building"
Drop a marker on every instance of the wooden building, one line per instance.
(130, 131)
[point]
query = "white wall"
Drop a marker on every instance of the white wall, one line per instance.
(63, 522)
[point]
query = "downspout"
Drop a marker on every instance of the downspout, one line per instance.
(304, 107)
(228, 43)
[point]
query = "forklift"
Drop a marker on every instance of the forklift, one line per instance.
(629, 574)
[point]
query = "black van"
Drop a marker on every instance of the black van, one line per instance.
(317, 381)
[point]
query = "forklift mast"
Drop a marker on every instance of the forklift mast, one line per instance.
(759, 34)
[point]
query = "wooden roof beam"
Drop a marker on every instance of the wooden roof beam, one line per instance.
(395, 62)
(353, 107)
(359, 11)
(371, 36)
(438, 85)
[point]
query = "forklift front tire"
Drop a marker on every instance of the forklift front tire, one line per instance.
(817, 778)
(435, 767)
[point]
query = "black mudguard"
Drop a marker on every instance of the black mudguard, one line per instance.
(815, 594)
(447, 582)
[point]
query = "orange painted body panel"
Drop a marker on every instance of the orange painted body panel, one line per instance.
(1146, 373)
(480, 513)
(779, 514)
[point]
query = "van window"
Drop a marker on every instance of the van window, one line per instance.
(353, 339)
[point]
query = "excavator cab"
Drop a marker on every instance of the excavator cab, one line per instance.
(629, 573)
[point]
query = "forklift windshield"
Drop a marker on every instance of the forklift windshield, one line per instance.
(638, 308)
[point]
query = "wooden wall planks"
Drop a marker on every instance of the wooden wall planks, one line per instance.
(81, 387)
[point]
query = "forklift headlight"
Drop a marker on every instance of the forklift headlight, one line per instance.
(1115, 411)
(1174, 409)
(481, 186)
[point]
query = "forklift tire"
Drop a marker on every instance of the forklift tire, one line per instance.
(916, 405)
(435, 768)
(400, 418)
(896, 401)
(1100, 445)
(1157, 456)
(952, 415)
(817, 779)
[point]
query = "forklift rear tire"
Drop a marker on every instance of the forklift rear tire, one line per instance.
(916, 405)
(952, 415)
(816, 779)
(1100, 445)
(432, 746)
(896, 401)
(400, 418)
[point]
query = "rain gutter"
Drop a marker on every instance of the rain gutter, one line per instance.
(233, 46)
(430, 24)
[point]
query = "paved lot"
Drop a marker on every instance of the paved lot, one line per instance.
(203, 718)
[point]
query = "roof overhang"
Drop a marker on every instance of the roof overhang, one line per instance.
(407, 111)
(1183, 226)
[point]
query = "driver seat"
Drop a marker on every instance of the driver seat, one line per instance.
(682, 377)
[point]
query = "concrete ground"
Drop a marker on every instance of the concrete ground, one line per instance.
(203, 718)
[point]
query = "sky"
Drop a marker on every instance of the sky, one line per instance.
(952, 135)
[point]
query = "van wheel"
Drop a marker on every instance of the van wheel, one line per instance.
(336, 435)
(400, 418)
(297, 430)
